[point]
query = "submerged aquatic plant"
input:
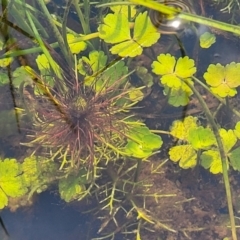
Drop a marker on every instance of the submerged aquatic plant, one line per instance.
(83, 119)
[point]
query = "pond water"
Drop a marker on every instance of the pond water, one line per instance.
(73, 136)
(50, 218)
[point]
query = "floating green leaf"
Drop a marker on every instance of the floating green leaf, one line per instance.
(173, 71)
(185, 154)
(178, 97)
(234, 158)
(11, 184)
(71, 188)
(211, 159)
(135, 94)
(223, 80)
(207, 39)
(142, 142)
(115, 29)
(180, 129)
(88, 66)
(229, 138)
(76, 47)
(201, 138)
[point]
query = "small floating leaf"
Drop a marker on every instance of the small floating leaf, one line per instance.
(115, 28)
(211, 159)
(71, 188)
(178, 97)
(223, 80)
(180, 129)
(201, 138)
(76, 47)
(229, 138)
(185, 154)
(142, 142)
(207, 39)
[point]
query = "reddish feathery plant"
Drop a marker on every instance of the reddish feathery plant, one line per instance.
(74, 124)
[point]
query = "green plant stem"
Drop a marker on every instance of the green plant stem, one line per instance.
(55, 30)
(53, 45)
(85, 26)
(188, 16)
(64, 33)
(223, 156)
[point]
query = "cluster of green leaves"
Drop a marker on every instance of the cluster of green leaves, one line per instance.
(20, 179)
(34, 175)
(197, 144)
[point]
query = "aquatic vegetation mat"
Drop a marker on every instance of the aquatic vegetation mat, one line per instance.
(103, 102)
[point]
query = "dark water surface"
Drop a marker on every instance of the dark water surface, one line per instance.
(48, 219)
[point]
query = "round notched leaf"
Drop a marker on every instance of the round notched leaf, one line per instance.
(70, 188)
(115, 28)
(207, 39)
(185, 67)
(76, 47)
(178, 97)
(223, 80)
(211, 159)
(180, 129)
(185, 154)
(229, 138)
(164, 65)
(142, 142)
(152, 141)
(145, 33)
(201, 138)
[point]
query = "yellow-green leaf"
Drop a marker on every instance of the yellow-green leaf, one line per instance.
(164, 65)
(180, 129)
(185, 154)
(76, 47)
(223, 80)
(115, 28)
(207, 39)
(211, 159)
(185, 67)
